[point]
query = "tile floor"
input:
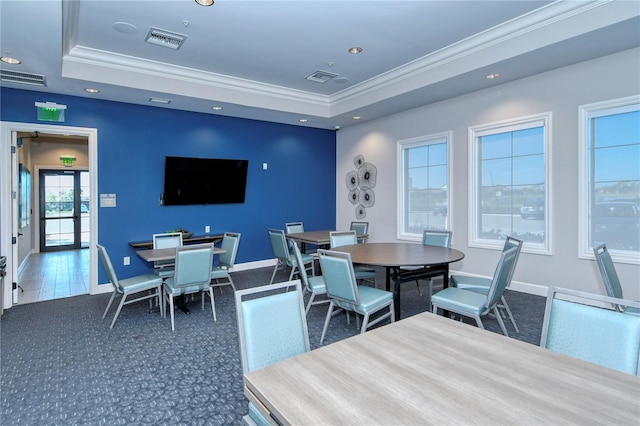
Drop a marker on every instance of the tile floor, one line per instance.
(54, 275)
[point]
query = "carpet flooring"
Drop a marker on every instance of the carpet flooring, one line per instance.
(60, 363)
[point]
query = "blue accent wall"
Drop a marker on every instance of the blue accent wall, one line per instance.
(133, 140)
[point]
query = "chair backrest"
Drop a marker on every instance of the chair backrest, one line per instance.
(502, 276)
(509, 243)
(339, 278)
(230, 243)
(273, 327)
(193, 266)
(293, 227)
(108, 267)
(608, 272)
(167, 240)
(360, 228)
(575, 327)
(436, 238)
(302, 271)
(342, 238)
(278, 244)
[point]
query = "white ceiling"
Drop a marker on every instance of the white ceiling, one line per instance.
(252, 57)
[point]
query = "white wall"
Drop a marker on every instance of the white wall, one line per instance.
(560, 92)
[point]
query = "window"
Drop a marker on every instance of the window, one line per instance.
(423, 185)
(509, 193)
(610, 178)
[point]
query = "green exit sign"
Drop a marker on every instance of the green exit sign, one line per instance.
(50, 111)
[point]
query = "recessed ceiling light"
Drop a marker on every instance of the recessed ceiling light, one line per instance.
(492, 76)
(216, 108)
(91, 90)
(160, 100)
(355, 50)
(303, 120)
(204, 2)
(357, 117)
(10, 60)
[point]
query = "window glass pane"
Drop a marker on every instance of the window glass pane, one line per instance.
(614, 190)
(511, 183)
(424, 187)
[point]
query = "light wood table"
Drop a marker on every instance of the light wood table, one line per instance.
(393, 256)
(428, 369)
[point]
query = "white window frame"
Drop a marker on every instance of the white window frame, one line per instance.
(542, 119)
(414, 143)
(585, 113)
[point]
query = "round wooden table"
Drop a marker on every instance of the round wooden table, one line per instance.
(431, 260)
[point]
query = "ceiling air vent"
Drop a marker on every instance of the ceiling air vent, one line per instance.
(23, 77)
(165, 38)
(321, 76)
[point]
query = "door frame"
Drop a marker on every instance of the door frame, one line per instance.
(8, 136)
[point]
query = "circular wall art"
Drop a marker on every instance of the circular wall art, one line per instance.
(360, 183)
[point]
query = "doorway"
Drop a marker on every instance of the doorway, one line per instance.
(64, 209)
(11, 234)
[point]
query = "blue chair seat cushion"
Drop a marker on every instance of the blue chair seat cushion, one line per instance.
(317, 284)
(370, 300)
(478, 284)
(164, 272)
(177, 290)
(455, 299)
(306, 258)
(219, 272)
(140, 283)
(361, 271)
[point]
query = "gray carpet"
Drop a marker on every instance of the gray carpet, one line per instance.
(60, 363)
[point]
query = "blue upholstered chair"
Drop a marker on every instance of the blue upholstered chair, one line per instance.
(284, 257)
(473, 304)
(165, 268)
(361, 228)
(344, 238)
(294, 228)
(345, 294)
(314, 285)
(610, 278)
(481, 284)
(272, 326)
(431, 238)
(192, 275)
(148, 286)
(577, 325)
(226, 260)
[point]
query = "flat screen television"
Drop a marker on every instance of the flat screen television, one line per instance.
(204, 181)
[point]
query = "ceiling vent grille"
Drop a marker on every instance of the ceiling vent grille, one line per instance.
(23, 77)
(165, 38)
(320, 76)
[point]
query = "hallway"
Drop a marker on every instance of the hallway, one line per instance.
(54, 275)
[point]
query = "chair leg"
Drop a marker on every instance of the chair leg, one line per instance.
(365, 321)
(124, 297)
(113, 296)
(497, 314)
(418, 285)
(506, 308)
(213, 304)
(326, 321)
(313, 295)
(274, 273)
(478, 321)
(173, 326)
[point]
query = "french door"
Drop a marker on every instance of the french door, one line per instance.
(64, 209)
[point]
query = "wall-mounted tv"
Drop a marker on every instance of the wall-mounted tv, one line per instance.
(204, 181)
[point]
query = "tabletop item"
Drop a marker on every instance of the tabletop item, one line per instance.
(393, 256)
(427, 369)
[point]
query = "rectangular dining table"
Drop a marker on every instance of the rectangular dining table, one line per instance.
(428, 369)
(155, 255)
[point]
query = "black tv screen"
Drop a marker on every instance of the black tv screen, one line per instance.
(204, 181)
